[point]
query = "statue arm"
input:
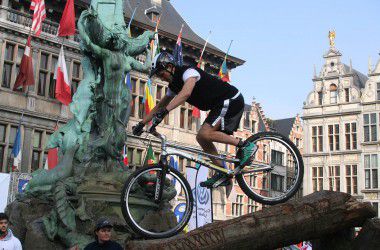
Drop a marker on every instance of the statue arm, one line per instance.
(98, 51)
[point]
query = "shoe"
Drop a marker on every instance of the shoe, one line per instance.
(246, 153)
(211, 181)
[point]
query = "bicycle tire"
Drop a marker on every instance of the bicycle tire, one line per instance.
(254, 196)
(125, 209)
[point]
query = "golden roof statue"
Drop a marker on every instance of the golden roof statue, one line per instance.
(332, 38)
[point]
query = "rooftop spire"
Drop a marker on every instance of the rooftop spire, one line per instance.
(369, 65)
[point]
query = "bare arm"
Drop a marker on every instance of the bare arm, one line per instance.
(183, 95)
(162, 104)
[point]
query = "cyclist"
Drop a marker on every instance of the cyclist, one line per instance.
(208, 93)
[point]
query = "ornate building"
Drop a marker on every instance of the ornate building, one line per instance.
(341, 119)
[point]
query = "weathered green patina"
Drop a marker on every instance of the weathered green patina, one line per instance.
(90, 144)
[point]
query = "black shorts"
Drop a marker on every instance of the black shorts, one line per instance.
(228, 113)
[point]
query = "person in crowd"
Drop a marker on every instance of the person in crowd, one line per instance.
(103, 232)
(7, 240)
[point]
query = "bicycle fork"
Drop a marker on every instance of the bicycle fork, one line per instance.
(160, 181)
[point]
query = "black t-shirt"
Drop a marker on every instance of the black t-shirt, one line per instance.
(208, 91)
(108, 245)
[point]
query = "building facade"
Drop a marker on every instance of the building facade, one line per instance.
(340, 130)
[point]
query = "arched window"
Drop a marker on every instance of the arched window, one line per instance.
(333, 93)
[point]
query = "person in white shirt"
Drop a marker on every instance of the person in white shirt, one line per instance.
(7, 240)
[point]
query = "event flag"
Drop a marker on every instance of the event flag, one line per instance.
(148, 97)
(16, 150)
(223, 72)
(25, 75)
(67, 23)
(149, 158)
(39, 14)
(125, 155)
(62, 86)
(178, 57)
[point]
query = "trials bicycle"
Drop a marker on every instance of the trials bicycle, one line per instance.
(149, 196)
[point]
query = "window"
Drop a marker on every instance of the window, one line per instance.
(181, 164)
(334, 178)
(254, 127)
(141, 104)
(182, 118)
(134, 97)
(277, 157)
(160, 92)
(246, 120)
(334, 137)
(252, 180)
(130, 155)
(76, 76)
(252, 206)
(317, 178)
(277, 182)
(317, 138)
(347, 94)
(237, 206)
(138, 157)
(371, 171)
(46, 82)
(320, 98)
(351, 179)
(376, 208)
(12, 59)
(333, 94)
(264, 181)
(370, 129)
(378, 91)
(351, 136)
(190, 119)
(37, 150)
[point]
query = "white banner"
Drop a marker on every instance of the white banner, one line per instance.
(204, 199)
(191, 175)
(4, 190)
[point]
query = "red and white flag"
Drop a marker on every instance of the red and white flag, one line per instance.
(38, 16)
(62, 86)
(25, 76)
(67, 23)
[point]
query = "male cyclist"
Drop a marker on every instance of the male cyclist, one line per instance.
(208, 93)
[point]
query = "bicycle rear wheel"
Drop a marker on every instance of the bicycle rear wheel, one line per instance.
(276, 173)
(153, 219)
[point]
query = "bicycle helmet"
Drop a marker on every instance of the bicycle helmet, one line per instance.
(160, 62)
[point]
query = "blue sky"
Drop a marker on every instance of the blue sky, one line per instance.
(282, 40)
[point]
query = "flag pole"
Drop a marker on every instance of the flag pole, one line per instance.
(133, 15)
(229, 47)
(204, 48)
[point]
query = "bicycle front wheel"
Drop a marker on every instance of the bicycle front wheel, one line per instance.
(276, 173)
(152, 219)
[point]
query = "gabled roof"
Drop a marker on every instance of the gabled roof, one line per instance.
(284, 126)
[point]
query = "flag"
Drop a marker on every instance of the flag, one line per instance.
(178, 57)
(38, 6)
(52, 157)
(25, 76)
(149, 158)
(125, 155)
(67, 23)
(16, 151)
(174, 164)
(191, 175)
(154, 45)
(223, 72)
(128, 81)
(62, 86)
(148, 97)
(203, 198)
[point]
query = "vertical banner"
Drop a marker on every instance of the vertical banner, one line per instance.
(4, 188)
(203, 198)
(191, 176)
